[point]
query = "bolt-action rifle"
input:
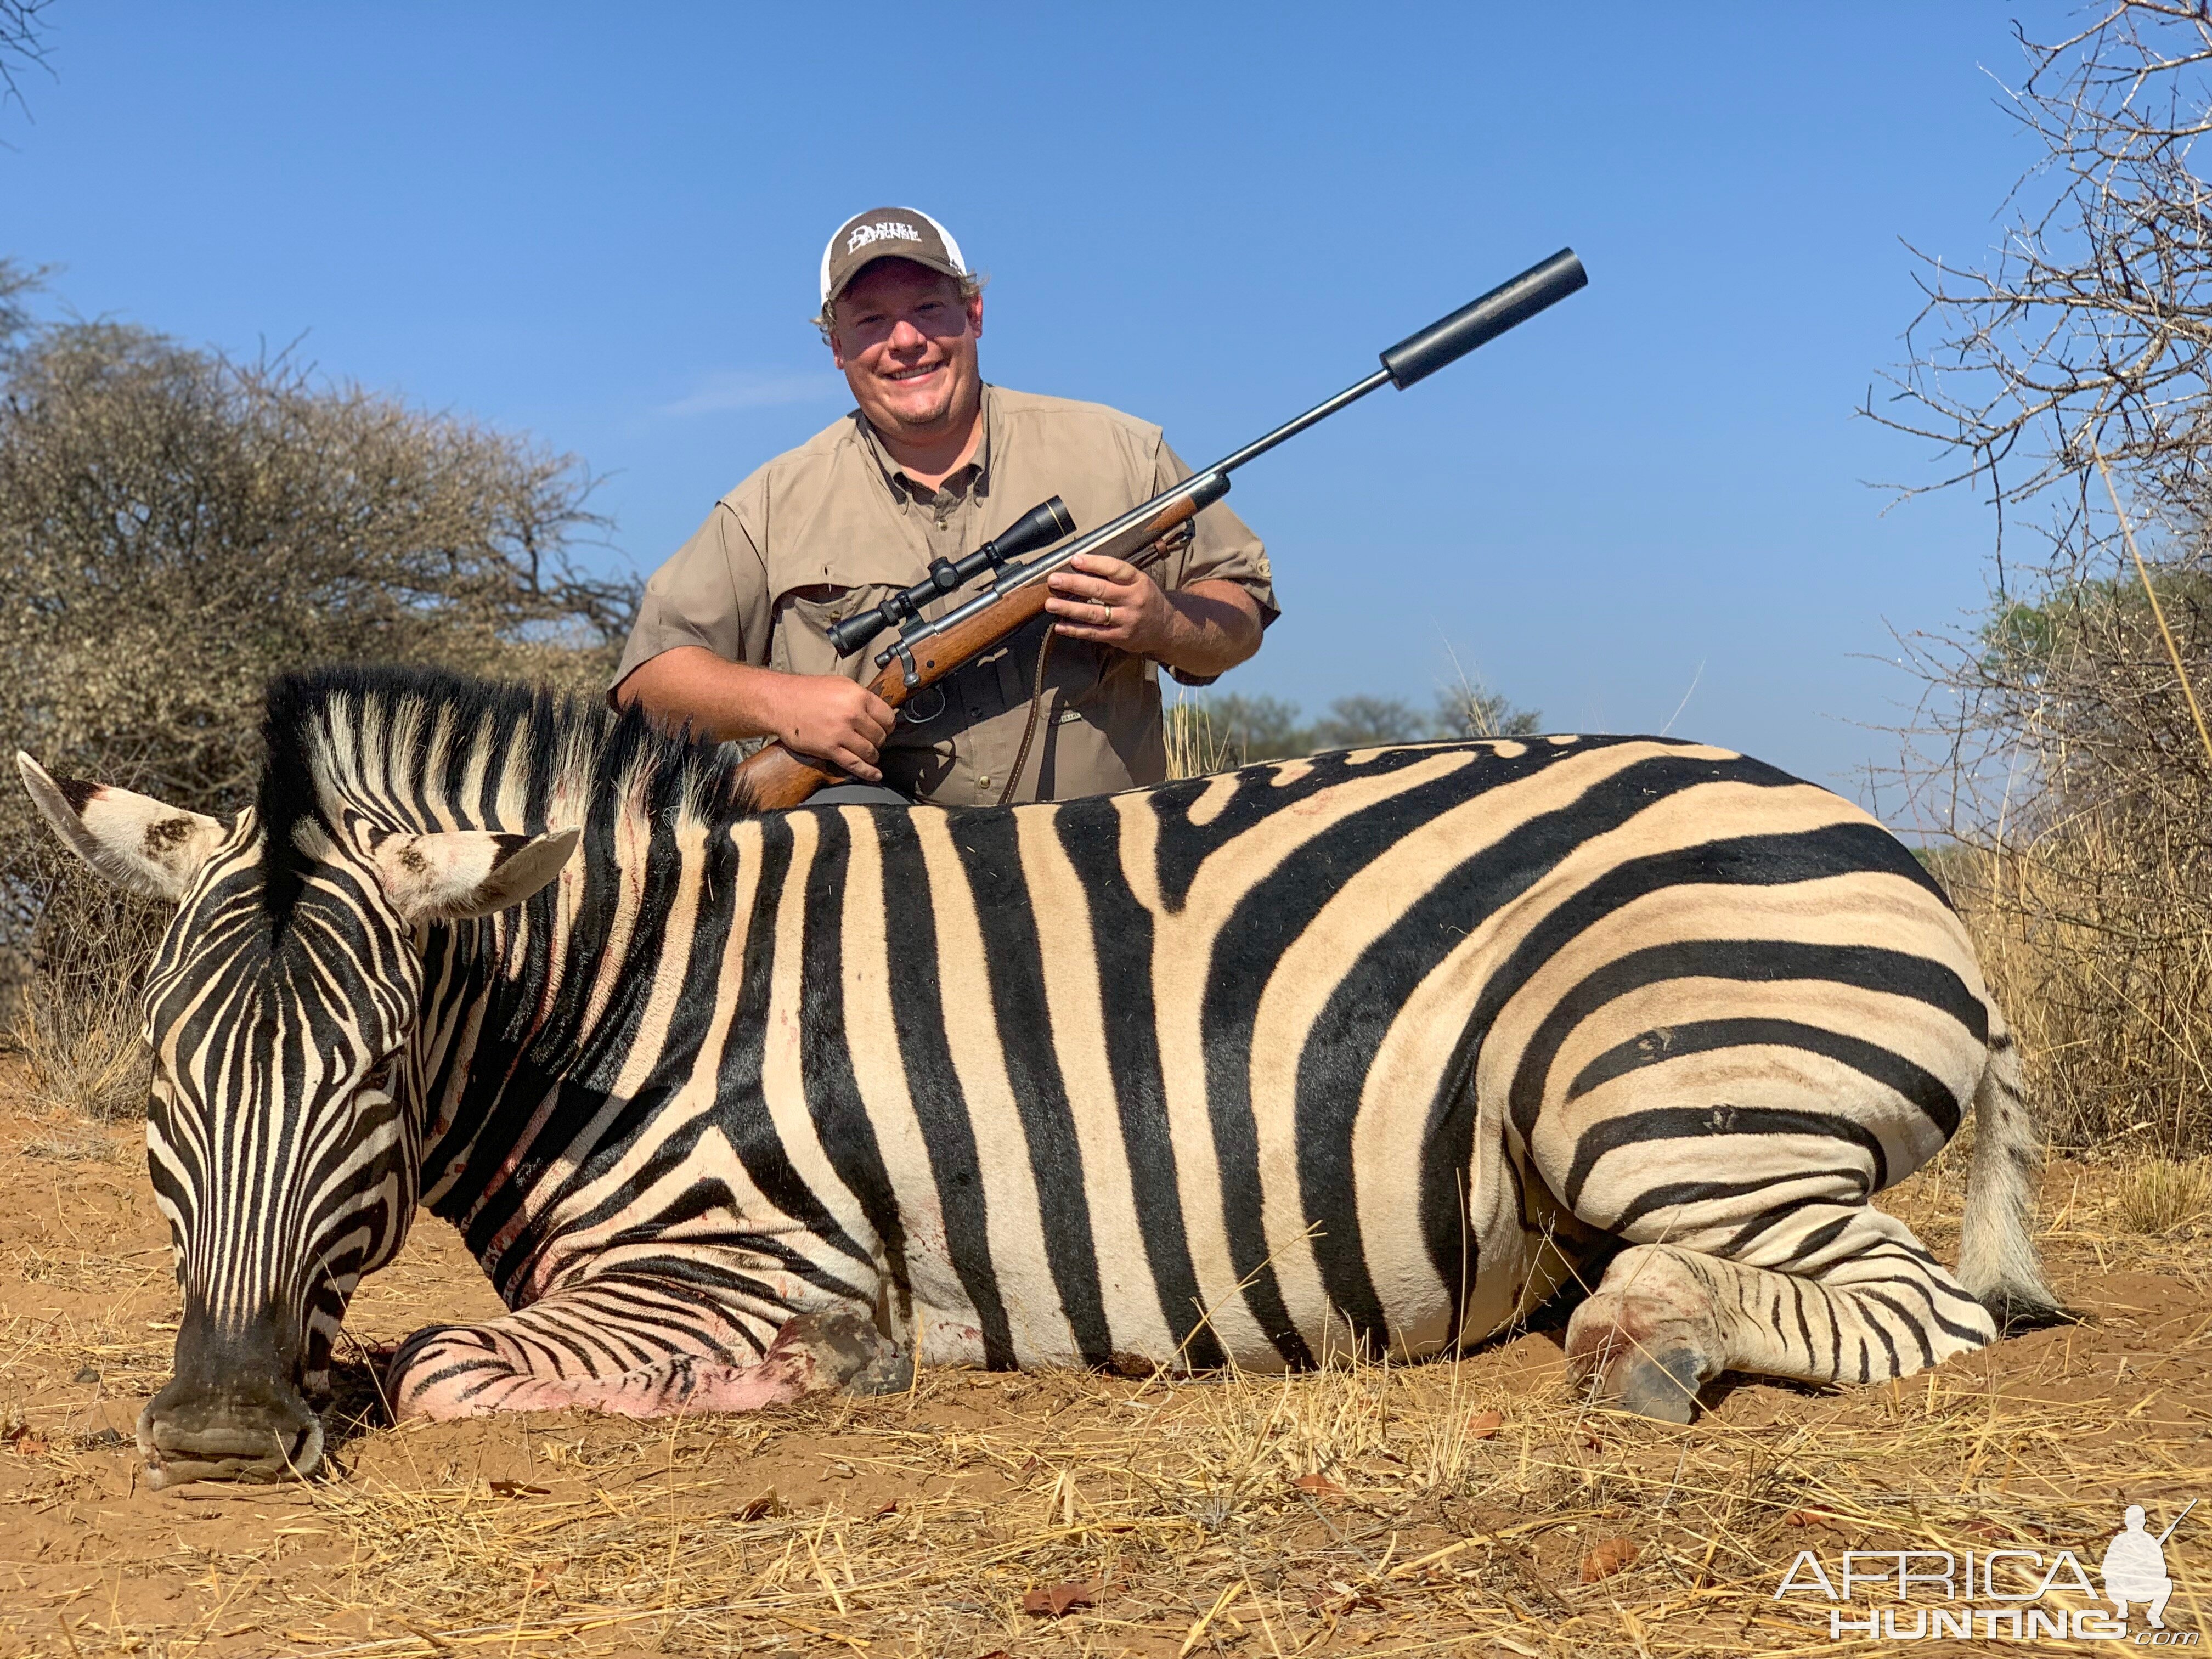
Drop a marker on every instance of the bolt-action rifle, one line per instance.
(927, 649)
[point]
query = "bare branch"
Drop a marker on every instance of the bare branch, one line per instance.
(22, 44)
(2057, 748)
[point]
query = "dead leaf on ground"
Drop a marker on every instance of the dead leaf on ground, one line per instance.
(1051, 1601)
(1608, 1557)
(1485, 1426)
(1340, 1597)
(1319, 1484)
(518, 1489)
(1808, 1518)
(889, 1506)
(758, 1508)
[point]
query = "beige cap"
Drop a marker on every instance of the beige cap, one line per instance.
(887, 232)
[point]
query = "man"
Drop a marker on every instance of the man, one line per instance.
(2135, 1569)
(732, 638)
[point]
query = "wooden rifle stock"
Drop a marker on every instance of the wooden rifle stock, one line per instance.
(775, 778)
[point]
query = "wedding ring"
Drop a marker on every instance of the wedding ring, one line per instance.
(1106, 613)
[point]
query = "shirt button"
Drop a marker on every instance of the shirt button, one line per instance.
(983, 781)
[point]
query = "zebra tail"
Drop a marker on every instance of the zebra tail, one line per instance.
(1998, 1258)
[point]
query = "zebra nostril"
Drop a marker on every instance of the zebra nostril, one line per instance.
(307, 1453)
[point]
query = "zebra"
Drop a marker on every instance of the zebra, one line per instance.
(1370, 1053)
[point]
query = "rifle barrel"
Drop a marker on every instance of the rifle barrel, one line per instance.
(2176, 1522)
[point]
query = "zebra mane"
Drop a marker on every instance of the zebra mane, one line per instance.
(423, 750)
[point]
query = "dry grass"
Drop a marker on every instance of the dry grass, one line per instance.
(82, 1047)
(2161, 1196)
(78, 1026)
(1196, 746)
(1353, 1508)
(1369, 1508)
(2098, 946)
(73, 1147)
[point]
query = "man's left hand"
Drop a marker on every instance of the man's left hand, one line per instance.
(1203, 628)
(1112, 602)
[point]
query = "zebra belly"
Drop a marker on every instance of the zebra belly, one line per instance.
(1515, 1257)
(1515, 1266)
(1119, 1122)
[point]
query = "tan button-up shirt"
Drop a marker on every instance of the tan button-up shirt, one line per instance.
(833, 527)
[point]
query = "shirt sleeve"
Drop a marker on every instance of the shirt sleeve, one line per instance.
(1223, 549)
(713, 592)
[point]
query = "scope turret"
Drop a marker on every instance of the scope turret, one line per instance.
(1042, 526)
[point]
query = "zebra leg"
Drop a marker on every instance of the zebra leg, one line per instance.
(1859, 1300)
(624, 1349)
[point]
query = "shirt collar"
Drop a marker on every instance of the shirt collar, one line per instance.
(976, 473)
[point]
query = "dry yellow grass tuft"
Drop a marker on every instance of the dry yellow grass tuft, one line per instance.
(1196, 747)
(2158, 1195)
(81, 1050)
(75, 1020)
(2097, 942)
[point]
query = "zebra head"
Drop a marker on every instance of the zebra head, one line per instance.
(283, 1125)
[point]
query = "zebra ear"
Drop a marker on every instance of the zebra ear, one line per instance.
(135, 842)
(455, 875)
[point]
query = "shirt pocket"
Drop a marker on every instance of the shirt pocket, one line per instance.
(799, 639)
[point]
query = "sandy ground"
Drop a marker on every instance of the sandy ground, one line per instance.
(1471, 1508)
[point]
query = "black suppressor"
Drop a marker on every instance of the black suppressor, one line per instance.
(1041, 526)
(1507, 306)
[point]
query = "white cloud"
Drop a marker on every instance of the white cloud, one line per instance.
(724, 390)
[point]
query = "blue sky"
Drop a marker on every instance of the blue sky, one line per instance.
(602, 227)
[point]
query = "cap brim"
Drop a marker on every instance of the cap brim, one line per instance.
(942, 267)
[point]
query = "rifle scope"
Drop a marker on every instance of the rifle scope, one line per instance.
(1040, 527)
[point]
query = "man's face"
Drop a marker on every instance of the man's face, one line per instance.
(907, 342)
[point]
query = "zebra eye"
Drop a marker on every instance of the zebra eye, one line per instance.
(379, 1077)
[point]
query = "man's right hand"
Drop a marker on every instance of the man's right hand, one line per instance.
(834, 720)
(823, 716)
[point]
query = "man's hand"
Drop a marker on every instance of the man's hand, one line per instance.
(1205, 628)
(1112, 602)
(833, 719)
(823, 715)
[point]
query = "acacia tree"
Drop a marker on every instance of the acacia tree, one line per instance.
(175, 528)
(2068, 377)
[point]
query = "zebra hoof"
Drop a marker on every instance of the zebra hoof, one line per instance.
(848, 1352)
(1662, 1385)
(1633, 1356)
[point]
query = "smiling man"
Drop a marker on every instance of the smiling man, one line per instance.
(732, 636)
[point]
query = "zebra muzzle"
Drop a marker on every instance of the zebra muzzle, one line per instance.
(234, 1451)
(232, 1412)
